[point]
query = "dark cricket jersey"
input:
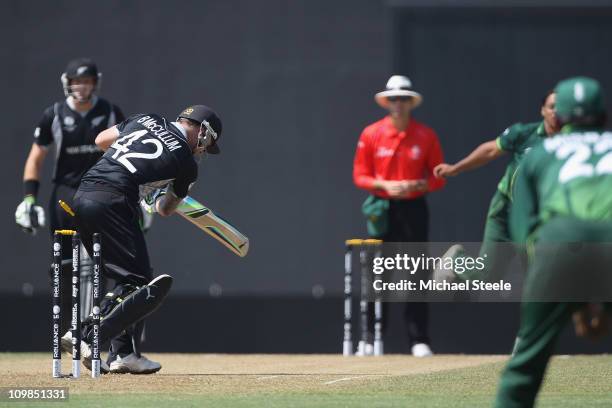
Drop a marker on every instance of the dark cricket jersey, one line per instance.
(74, 136)
(149, 149)
(568, 175)
(517, 140)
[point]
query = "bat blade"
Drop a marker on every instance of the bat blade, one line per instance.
(213, 224)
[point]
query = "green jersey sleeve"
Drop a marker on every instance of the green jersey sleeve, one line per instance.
(511, 138)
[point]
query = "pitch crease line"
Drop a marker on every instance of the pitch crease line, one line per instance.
(344, 379)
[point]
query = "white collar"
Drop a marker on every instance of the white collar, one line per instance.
(179, 127)
(70, 102)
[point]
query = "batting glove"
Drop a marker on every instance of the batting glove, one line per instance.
(148, 202)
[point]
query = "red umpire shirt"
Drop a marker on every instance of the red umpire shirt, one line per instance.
(385, 153)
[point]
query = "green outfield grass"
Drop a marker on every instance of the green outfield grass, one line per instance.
(578, 381)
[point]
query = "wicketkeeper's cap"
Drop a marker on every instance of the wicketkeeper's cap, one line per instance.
(80, 68)
(209, 120)
(398, 85)
(578, 98)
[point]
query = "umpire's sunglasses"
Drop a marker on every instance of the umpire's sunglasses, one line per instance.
(399, 98)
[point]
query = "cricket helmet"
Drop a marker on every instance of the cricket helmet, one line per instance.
(80, 68)
(210, 124)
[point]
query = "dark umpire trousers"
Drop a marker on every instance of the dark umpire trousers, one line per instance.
(124, 252)
(409, 222)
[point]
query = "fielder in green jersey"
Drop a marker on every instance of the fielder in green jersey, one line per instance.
(516, 141)
(562, 194)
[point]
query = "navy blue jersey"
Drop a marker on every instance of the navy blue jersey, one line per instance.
(74, 137)
(149, 149)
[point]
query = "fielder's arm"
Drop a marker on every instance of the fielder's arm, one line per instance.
(480, 156)
(34, 162)
(107, 137)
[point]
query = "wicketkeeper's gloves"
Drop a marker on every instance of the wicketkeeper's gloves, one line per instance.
(30, 216)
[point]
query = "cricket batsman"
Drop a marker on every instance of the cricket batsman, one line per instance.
(144, 149)
(516, 140)
(562, 195)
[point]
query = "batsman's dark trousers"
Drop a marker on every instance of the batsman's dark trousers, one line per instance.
(409, 222)
(124, 252)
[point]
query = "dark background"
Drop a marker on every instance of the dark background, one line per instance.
(294, 85)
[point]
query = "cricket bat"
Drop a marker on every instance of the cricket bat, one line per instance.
(214, 225)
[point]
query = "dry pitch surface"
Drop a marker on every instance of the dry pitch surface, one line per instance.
(199, 380)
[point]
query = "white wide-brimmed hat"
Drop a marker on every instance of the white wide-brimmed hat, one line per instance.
(398, 85)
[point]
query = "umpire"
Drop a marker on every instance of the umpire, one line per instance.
(394, 162)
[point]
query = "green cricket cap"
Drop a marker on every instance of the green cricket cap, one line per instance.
(578, 97)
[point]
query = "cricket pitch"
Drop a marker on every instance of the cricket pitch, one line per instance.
(197, 380)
